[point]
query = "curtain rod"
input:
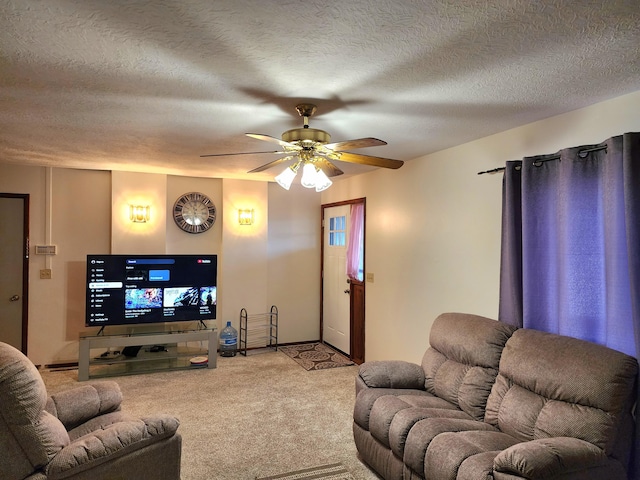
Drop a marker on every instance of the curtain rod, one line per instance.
(581, 153)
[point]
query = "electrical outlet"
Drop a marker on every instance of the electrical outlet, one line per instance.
(370, 277)
(45, 274)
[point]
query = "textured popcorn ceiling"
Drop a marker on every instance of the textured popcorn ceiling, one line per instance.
(151, 85)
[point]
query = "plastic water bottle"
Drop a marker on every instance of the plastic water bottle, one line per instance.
(228, 341)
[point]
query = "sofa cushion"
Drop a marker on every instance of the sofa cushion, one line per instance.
(413, 407)
(100, 423)
(74, 407)
(462, 362)
(465, 455)
(367, 397)
(426, 431)
(404, 421)
(555, 386)
(392, 374)
(549, 457)
(115, 440)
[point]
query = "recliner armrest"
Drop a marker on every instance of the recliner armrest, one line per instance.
(77, 405)
(392, 374)
(549, 457)
(116, 440)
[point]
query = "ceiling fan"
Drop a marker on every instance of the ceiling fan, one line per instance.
(311, 150)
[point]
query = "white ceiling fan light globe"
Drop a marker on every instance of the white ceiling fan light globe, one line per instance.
(322, 181)
(309, 175)
(286, 178)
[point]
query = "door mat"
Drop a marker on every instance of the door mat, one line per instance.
(334, 471)
(316, 356)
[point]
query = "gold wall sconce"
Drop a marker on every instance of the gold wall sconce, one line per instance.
(245, 217)
(139, 213)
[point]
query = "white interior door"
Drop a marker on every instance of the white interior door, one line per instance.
(335, 302)
(11, 264)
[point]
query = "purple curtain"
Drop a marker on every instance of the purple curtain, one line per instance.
(355, 242)
(570, 260)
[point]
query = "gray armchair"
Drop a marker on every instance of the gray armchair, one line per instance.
(79, 433)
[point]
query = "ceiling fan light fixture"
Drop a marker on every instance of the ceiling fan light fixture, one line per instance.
(315, 152)
(286, 177)
(322, 181)
(309, 174)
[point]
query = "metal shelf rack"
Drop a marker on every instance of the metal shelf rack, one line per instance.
(258, 330)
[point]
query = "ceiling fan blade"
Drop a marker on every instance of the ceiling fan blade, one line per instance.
(245, 153)
(358, 143)
(369, 160)
(270, 164)
(329, 169)
(269, 138)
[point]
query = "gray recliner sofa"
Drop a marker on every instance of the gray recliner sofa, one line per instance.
(493, 402)
(79, 433)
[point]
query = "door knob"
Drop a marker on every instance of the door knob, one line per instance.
(347, 291)
(15, 298)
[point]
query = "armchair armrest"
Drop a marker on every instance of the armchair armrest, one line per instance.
(392, 374)
(549, 457)
(77, 405)
(114, 441)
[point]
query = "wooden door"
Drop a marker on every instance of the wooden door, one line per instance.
(357, 321)
(335, 300)
(14, 265)
(353, 290)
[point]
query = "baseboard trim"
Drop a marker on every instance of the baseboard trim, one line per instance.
(60, 366)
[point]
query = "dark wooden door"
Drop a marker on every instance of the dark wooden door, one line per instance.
(14, 264)
(357, 321)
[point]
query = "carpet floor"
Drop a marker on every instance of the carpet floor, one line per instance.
(251, 417)
(316, 356)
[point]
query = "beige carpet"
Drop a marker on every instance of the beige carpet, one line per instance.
(315, 356)
(251, 417)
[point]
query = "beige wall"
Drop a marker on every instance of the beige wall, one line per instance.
(142, 189)
(433, 226)
(243, 263)
(294, 261)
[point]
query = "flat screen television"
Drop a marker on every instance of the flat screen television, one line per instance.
(143, 289)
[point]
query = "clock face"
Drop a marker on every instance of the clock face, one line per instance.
(194, 212)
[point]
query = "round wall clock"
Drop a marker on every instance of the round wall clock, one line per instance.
(194, 212)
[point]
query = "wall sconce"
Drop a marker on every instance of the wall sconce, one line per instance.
(139, 213)
(245, 217)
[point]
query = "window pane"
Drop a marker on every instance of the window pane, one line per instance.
(337, 231)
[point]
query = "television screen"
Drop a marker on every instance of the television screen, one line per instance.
(131, 289)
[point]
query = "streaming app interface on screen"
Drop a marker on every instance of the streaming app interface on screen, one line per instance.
(123, 289)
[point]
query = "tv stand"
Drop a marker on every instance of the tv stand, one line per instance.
(174, 357)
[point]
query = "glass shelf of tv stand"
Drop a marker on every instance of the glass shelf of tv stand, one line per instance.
(172, 355)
